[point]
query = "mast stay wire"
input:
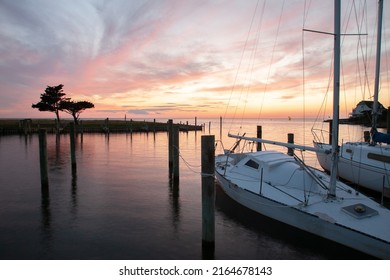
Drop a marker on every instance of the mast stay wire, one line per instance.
(239, 66)
(271, 61)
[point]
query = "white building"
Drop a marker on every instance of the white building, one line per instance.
(365, 107)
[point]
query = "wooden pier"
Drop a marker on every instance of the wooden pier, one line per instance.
(32, 126)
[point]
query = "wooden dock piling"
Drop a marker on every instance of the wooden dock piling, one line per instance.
(175, 153)
(259, 135)
(367, 136)
(170, 145)
(173, 150)
(290, 139)
(208, 191)
(72, 146)
(43, 159)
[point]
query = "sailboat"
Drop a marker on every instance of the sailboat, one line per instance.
(283, 188)
(366, 164)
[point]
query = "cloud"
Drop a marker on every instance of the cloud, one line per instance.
(152, 53)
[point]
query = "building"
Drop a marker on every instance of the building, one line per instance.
(364, 108)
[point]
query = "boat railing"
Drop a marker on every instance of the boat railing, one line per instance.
(319, 135)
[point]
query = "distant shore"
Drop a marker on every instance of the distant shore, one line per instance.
(30, 126)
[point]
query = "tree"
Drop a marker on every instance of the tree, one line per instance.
(75, 108)
(51, 99)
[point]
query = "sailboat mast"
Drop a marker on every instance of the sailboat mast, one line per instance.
(336, 94)
(378, 65)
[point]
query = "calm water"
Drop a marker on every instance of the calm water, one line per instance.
(120, 203)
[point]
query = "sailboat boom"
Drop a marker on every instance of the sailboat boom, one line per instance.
(283, 144)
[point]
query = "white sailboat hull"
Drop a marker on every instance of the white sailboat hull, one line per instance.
(323, 218)
(361, 164)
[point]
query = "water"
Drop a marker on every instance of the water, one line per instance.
(120, 203)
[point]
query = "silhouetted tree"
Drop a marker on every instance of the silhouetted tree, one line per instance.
(75, 108)
(51, 99)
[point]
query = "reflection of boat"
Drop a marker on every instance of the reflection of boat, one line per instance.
(362, 163)
(283, 188)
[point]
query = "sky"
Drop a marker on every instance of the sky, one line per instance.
(181, 59)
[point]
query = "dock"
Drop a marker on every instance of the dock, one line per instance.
(32, 126)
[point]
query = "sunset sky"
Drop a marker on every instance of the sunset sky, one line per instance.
(175, 58)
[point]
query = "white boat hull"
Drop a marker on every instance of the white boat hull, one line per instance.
(305, 218)
(356, 166)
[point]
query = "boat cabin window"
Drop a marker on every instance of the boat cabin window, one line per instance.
(379, 157)
(252, 164)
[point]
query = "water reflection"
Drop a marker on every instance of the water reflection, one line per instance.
(174, 194)
(120, 204)
(46, 218)
(74, 190)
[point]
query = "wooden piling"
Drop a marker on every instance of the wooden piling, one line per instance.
(388, 120)
(175, 153)
(220, 128)
(208, 191)
(57, 123)
(259, 135)
(43, 159)
(170, 145)
(330, 131)
(290, 139)
(72, 146)
(367, 137)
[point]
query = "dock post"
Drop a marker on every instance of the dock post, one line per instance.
(367, 137)
(175, 153)
(57, 124)
(170, 149)
(220, 128)
(259, 135)
(388, 120)
(43, 159)
(72, 146)
(330, 131)
(290, 139)
(208, 191)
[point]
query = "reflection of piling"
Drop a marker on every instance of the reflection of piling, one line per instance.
(208, 191)
(290, 139)
(25, 125)
(72, 146)
(43, 159)
(259, 135)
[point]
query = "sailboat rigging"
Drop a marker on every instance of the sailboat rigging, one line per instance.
(283, 188)
(362, 163)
